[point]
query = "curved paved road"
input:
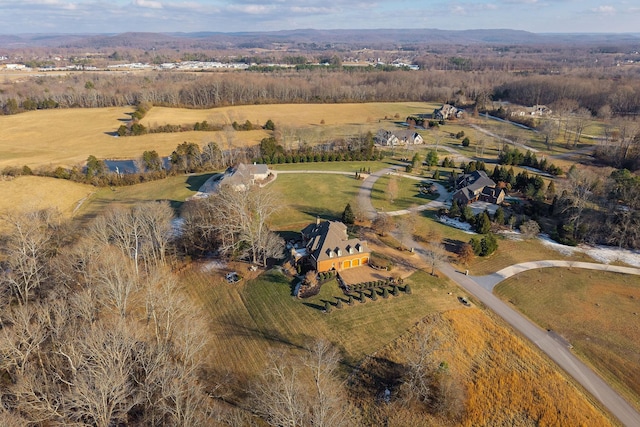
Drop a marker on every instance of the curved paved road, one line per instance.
(550, 343)
(490, 281)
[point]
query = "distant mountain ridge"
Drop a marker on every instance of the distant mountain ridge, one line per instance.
(363, 38)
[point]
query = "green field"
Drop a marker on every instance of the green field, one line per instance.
(408, 194)
(174, 189)
(597, 312)
(306, 196)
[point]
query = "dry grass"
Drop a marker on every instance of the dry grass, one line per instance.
(506, 381)
(66, 137)
(30, 193)
(291, 115)
(248, 319)
(596, 311)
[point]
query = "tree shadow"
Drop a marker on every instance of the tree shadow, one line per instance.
(315, 306)
(452, 245)
(194, 182)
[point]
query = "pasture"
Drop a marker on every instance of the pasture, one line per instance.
(597, 312)
(27, 193)
(66, 137)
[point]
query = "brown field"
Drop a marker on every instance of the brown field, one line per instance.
(507, 382)
(597, 312)
(31, 192)
(66, 137)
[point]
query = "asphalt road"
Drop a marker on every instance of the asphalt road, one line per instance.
(555, 349)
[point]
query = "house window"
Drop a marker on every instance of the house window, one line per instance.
(330, 254)
(350, 249)
(339, 252)
(359, 248)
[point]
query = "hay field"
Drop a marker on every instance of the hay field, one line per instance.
(291, 115)
(597, 312)
(66, 137)
(26, 193)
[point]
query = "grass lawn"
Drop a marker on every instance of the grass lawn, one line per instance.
(514, 252)
(408, 194)
(597, 312)
(306, 196)
(248, 319)
(33, 192)
(336, 166)
(174, 189)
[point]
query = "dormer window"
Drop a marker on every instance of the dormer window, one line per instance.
(359, 247)
(330, 253)
(339, 252)
(350, 249)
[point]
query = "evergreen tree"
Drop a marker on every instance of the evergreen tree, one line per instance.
(407, 289)
(483, 223)
(327, 307)
(498, 217)
(348, 216)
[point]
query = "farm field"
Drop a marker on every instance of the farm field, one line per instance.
(597, 312)
(293, 115)
(66, 137)
(25, 193)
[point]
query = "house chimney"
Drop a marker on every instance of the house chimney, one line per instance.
(318, 220)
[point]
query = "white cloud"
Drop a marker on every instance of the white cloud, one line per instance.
(150, 4)
(458, 10)
(604, 10)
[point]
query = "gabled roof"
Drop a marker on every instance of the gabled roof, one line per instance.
(475, 181)
(329, 239)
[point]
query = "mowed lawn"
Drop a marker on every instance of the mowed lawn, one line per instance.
(303, 197)
(408, 194)
(597, 312)
(174, 189)
(249, 319)
(25, 193)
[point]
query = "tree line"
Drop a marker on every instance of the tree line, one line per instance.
(599, 92)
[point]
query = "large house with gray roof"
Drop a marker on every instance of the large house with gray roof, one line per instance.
(477, 186)
(329, 247)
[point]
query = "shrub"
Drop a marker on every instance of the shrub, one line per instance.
(361, 297)
(407, 289)
(327, 307)
(385, 293)
(395, 291)
(466, 142)
(339, 303)
(350, 300)
(374, 295)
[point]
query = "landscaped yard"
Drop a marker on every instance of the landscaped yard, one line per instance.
(303, 197)
(408, 194)
(248, 319)
(597, 312)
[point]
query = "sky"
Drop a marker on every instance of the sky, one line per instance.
(118, 16)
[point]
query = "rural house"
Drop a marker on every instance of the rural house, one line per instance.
(328, 247)
(399, 137)
(244, 174)
(447, 112)
(477, 186)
